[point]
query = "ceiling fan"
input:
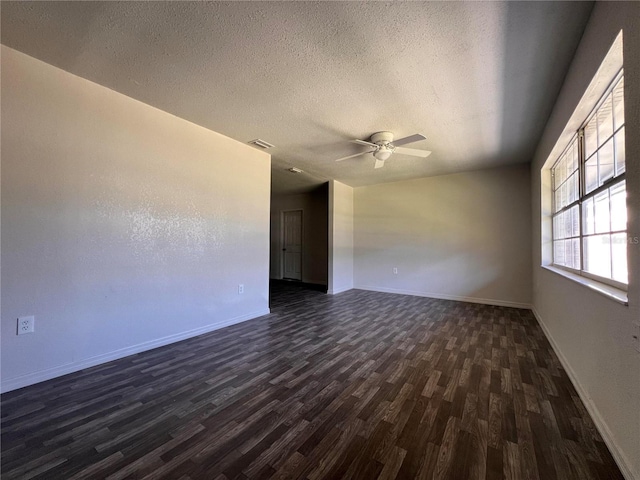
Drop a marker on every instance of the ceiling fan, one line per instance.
(383, 146)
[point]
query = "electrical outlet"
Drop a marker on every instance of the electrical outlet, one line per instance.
(26, 325)
(395, 270)
(240, 289)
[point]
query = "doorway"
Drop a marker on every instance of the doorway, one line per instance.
(303, 268)
(292, 245)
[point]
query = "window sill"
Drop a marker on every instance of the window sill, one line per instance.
(608, 291)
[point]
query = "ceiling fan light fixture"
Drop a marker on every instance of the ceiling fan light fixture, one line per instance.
(383, 153)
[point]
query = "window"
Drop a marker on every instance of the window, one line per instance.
(589, 222)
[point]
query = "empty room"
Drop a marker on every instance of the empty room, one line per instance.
(320, 240)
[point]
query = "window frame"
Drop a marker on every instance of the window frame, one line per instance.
(582, 196)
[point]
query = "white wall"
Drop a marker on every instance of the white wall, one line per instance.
(315, 207)
(123, 227)
(464, 236)
(340, 237)
(592, 334)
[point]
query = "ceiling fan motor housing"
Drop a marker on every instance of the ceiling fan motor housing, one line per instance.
(381, 138)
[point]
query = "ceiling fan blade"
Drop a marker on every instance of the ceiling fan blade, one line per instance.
(354, 155)
(379, 163)
(412, 151)
(410, 139)
(362, 142)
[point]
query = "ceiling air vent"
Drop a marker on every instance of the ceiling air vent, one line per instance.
(261, 143)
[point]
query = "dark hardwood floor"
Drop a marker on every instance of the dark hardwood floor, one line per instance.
(358, 385)
(287, 293)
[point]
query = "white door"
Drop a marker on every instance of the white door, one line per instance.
(292, 244)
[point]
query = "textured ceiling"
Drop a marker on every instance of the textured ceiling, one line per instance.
(478, 79)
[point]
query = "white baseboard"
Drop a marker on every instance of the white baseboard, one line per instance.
(58, 371)
(441, 296)
(335, 291)
(601, 425)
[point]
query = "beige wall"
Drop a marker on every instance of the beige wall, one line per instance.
(592, 334)
(464, 236)
(314, 206)
(123, 227)
(340, 237)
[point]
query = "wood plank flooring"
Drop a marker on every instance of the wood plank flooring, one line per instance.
(358, 385)
(287, 293)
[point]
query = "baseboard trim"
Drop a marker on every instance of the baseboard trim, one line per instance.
(440, 296)
(58, 371)
(601, 425)
(335, 291)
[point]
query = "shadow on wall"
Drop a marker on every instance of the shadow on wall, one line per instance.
(520, 36)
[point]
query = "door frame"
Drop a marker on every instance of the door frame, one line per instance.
(281, 243)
